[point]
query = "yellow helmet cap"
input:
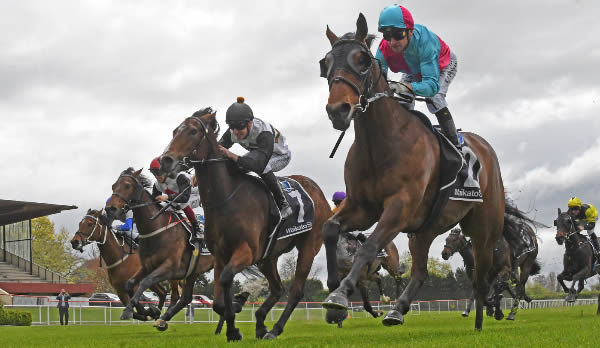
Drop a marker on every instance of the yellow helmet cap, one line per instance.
(574, 202)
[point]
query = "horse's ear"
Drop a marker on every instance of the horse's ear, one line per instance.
(137, 173)
(211, 120)
(361, 28)
(559, 212)
(331, 36)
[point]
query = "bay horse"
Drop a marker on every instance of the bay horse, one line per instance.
(347, 247)
(578, 260)
(164, 249)
(236, 207)
(122, 261)
(392, 176)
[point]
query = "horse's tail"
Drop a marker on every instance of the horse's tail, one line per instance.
(513, 218)
(535, 268)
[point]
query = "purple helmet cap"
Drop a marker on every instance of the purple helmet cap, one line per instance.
(339, 196)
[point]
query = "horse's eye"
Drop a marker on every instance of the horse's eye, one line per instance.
(194, 132)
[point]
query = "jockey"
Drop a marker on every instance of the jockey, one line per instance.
(337, 199)
(129, 227)
(586, 215)
(268, 151)
(427, 62)
(167, 188)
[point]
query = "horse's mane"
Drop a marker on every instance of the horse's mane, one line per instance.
(205, 111)
(350, 36)
(143, 179)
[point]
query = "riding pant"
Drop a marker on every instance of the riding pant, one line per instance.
(438, 101)
(277, 162)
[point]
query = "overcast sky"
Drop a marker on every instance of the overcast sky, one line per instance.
(89, 88)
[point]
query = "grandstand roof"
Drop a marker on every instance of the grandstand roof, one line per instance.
(15, 211)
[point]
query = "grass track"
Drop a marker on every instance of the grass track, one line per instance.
(557, 327)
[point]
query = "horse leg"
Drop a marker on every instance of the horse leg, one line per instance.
(163, 272)
(598, 310)
(419, 249)
(469, 304)
(379, 282)
(390, 223)
(161, 292)
(346, 219)
(561, 280)
(364, 294)
(174, 293)
(269, 270)
(184, 300)
(306, 255)
(240, 259)
(392, 265)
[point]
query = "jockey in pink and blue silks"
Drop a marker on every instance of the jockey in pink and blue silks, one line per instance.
(426, 61)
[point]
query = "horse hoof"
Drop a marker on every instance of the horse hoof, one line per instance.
(154, 312)
(498, 315)
(127, 314)
(489, 311)
(269, 336)
(335, 301)
(335, 316)
(161, 325)
(392, 318)
(261, 333)
(234, 335)
(511, 316)
(465, 314)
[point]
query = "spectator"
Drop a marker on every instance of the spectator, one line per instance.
(63, 306)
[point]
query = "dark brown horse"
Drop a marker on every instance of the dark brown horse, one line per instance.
(506, 265)
(122, 262)
(348, 245)
(392, 176)
(165, 252)
(236, 207)
(578, 260)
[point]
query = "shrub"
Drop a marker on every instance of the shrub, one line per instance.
(14, 317)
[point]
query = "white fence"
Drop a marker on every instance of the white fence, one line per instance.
(81, 313)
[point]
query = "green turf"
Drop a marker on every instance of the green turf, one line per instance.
(555, 327)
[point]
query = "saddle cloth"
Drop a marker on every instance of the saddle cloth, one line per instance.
(303, 213)
(466, 186)
(184, 222)
(452, 163)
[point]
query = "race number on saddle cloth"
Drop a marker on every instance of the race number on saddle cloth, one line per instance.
(302, 217)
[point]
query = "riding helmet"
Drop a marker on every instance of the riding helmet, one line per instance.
(339, 196)
(238, 111)
(395, 16)
(574, 202)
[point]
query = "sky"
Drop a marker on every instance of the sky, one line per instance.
(89, 88)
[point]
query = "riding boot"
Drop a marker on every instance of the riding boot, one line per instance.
(198, 234)
(447, 124)
(275, 188)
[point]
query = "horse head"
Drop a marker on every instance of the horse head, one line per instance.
(91, 229)
(194, 139)
(352, 74)
(456, 241)
(126, 192)
(565, 227)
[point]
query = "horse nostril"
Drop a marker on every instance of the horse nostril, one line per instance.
(166, 163)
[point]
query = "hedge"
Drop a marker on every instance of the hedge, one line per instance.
(14, 317)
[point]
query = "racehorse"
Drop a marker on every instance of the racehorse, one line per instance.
(348, 245)
(121, 262)
(392, 176)
(506, 265)
(236, 207)
(578, 259)
(164, 251)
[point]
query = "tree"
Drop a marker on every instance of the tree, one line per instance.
(52, 250)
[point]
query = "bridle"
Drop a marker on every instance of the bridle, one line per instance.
(103, 232)
(346, 64)
(464, 243)
(572, 230)
(133, 202)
